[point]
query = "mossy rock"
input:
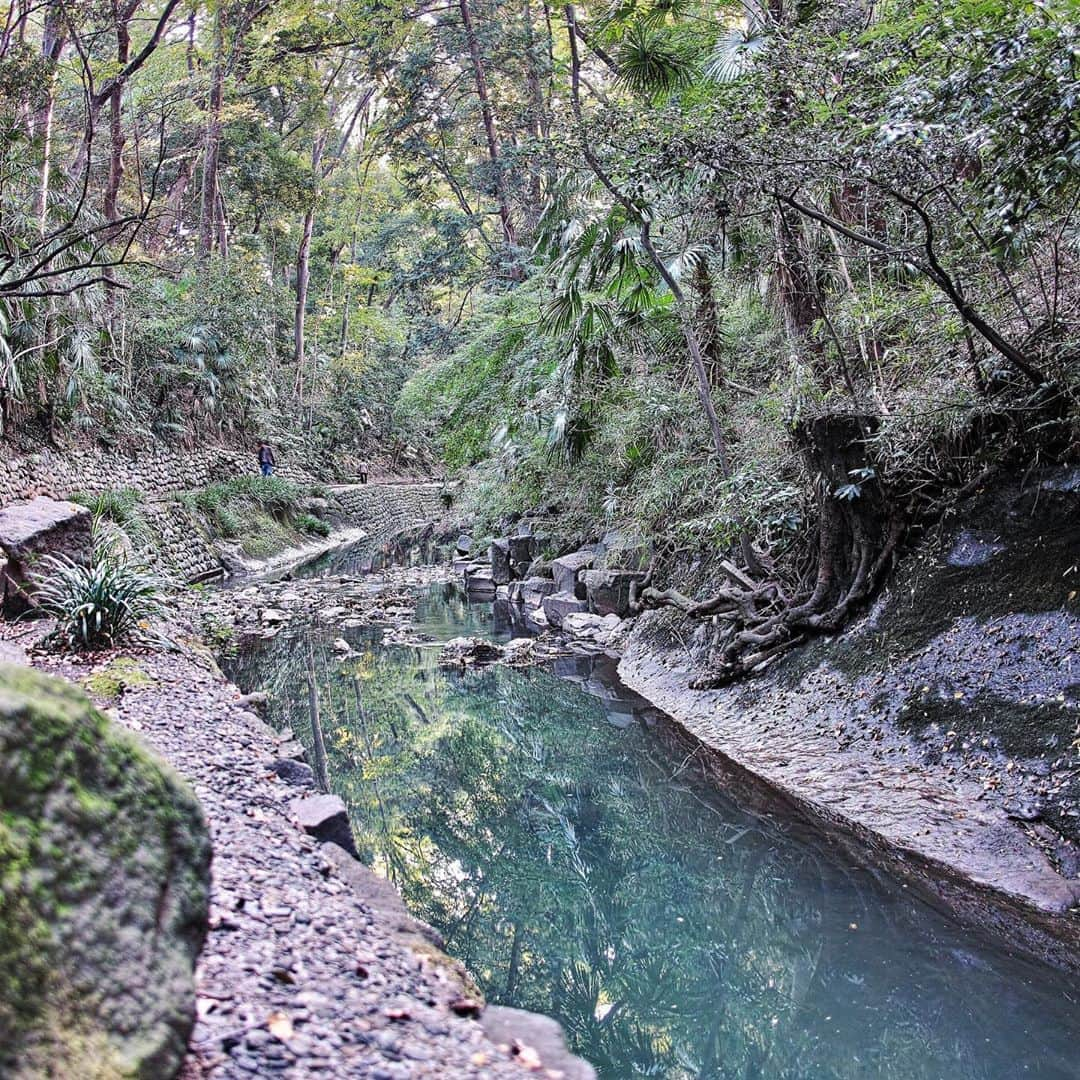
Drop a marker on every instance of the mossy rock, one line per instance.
(104, 882)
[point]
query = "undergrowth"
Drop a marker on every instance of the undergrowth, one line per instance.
(121, 506)
(265, 514)
(97, 606)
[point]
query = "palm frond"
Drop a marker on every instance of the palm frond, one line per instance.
(735, 52)
(654, 61)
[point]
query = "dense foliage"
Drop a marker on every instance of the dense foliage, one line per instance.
(776, 279)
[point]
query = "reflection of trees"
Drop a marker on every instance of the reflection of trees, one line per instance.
(583, 871)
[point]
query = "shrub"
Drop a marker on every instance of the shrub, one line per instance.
(121, 506)
(309, 523)
(96, 606)
(265, 492)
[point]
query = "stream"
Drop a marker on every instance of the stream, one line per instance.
(577, 854)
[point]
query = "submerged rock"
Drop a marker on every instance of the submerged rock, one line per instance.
(466, 650)
(104, 879)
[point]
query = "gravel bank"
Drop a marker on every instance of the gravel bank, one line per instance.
(312, 966)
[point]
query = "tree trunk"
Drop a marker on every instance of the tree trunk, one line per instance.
(347, 304)
(172, 215)
(488, 118)
(708, 317)
(212, 143)
(539, 118)
(854, 517)
(52, 45)
(303, 267)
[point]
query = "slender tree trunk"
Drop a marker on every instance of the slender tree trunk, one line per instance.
(303, 265)
(708, 317)
(212, 142)
(488, 118)
(347, 305)
(539, 117)
(52, 45)
(117, 141)
(172, 216)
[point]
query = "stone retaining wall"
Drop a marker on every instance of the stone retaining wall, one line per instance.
(176, 542)
(384, 509)
(61, 475)
(178, 546)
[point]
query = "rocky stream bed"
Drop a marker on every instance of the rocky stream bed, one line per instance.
(934, 739)
(312, 966)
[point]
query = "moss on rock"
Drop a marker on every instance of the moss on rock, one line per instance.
(122, 673)
(104, 868)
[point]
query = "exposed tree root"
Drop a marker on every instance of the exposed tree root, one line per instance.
(858, 532)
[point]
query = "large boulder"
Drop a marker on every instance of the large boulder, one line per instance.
(104, 880)
(533, 590)
(567, 570)
(31, 530)
(608, 591)
(558, 605)
(624, 551)
(523, 548)
(499, 555)
(479, 583)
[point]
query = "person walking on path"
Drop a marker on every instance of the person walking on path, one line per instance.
(363, 472)
(266, 459)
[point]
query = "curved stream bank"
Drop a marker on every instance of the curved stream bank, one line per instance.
(940, 731)
(574, 849)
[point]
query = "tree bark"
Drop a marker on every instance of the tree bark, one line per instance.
(711, 338)
(53, 40)
(212, 142)
(488, 118)
(117, 138)
(303, 265)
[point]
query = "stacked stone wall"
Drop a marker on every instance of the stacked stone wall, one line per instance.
(384, 509)
(175, 541)
(178, 546)
(61, 475)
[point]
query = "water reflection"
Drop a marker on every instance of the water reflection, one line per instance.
(369, 557)
(574, 854)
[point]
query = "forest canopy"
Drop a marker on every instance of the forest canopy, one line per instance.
(778, 279)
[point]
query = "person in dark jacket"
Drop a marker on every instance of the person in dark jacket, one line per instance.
(266, 459)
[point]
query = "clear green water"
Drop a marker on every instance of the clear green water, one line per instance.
(572, 849)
